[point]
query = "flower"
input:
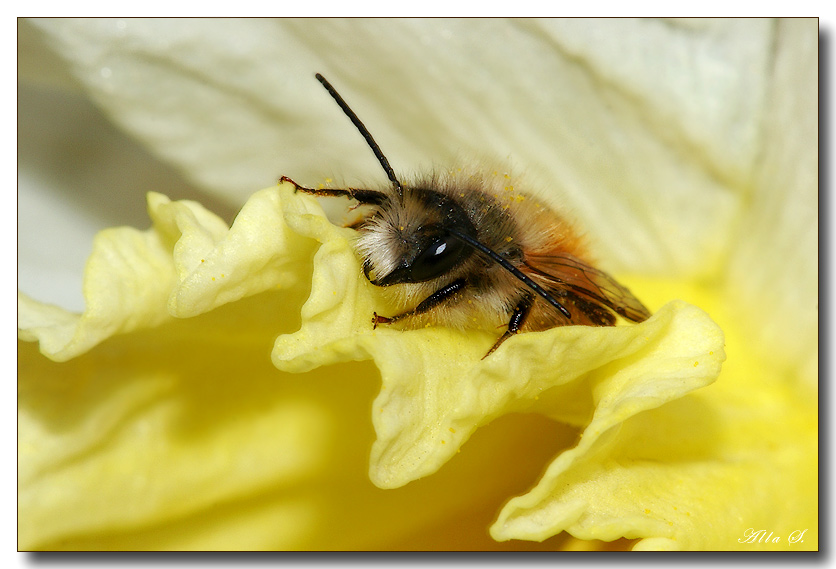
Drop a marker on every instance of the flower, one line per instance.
(165, 426)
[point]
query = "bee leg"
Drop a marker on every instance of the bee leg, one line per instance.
(521, 312)
(441, 295)
(357, 224)
(327, 192)
(362, 196)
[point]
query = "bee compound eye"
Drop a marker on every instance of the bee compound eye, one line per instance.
(440, 256)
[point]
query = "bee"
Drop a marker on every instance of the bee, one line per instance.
(470, 251)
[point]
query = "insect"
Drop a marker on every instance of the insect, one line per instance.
(470, 251)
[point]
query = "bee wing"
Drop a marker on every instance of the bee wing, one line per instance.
(575, 279)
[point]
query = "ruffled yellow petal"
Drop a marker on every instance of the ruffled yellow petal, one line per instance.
(695, 474)
(127, 279)
(188, 263)
(436, 389)
(216, 265)
(704, 472)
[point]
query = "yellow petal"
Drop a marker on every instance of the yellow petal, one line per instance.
(694, 474)
(436, 389)
(188, 263)
(180, 437)
(128, 278)
(216, 265)
(703, 472)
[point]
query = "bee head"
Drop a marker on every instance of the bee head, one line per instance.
(411, 240)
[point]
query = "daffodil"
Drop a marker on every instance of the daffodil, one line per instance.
(223, 387)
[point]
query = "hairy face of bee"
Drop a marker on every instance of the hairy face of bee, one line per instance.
(408, 240)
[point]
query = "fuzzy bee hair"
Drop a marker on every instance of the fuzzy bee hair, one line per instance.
(494, 208)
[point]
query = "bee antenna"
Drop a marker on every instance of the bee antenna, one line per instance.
(511, 268)
(378, 153)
